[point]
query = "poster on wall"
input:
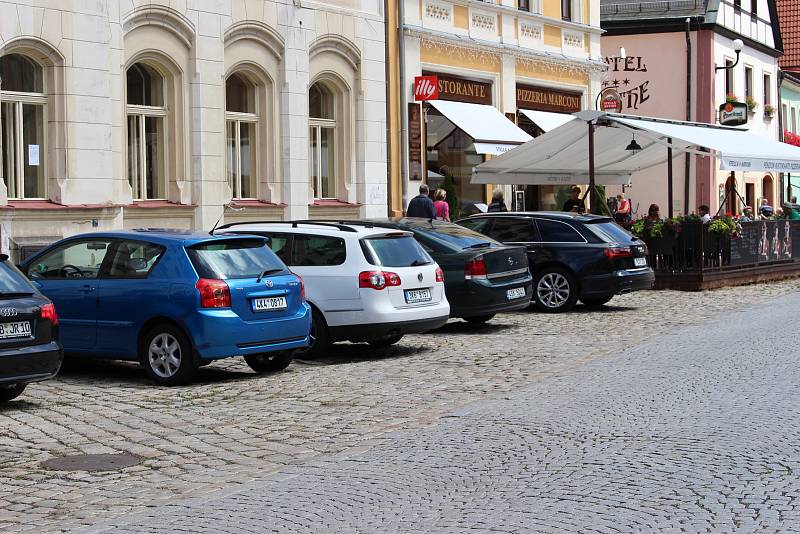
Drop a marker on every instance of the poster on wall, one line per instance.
(765, 241)
(414, 141)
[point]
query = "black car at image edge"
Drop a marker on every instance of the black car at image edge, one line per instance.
(571, 256)
(29, 347)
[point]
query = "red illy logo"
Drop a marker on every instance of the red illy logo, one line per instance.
(426, 88)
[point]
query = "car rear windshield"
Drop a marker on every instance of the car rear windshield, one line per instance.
(12, 281)
(610, 232)
(239, 258)
(394, 251)
(454, 235)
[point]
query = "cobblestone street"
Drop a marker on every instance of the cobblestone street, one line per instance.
(377, 414)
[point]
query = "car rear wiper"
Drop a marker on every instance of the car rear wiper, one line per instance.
(417, 263)
(266, 272)
(479, 245)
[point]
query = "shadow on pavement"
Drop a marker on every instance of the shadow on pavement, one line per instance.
(463, 328)
(343, 353)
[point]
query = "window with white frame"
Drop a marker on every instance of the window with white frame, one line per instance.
(241, 136)
(794, 119)
(729, 87)
(322, 140)
(748, 82)
(566, 9)
(147, 113)
(23, 107)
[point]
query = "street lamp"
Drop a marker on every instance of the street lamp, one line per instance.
(737, 47)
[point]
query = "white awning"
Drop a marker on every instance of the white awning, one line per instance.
(492, 132)
(547, 120)
(561, 156)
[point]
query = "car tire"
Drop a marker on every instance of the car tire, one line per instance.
(320, 337)
(166, 355)
(11, 391)
(270, 362)
(554, 290)
(596, 302)
(386, 341)
(480, 319)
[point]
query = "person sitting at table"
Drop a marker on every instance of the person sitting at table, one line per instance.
(653, 213)
(704, 212)
(790, 213)
(766, 210)
(623, 213)
(747, 215)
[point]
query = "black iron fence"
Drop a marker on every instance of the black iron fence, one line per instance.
(692, 248)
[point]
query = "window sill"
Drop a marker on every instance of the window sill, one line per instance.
(335, 203)
(49, 205)
(155, 204)
(252, 203)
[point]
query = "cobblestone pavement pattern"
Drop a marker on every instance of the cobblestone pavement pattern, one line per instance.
(233, 427)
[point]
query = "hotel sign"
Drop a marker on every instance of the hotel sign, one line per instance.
(546, 99)
(459, 89)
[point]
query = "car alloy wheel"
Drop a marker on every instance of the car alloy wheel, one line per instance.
(553, 290)
(164, 355)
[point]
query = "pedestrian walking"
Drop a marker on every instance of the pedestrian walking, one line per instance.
(441, 205)
(421, 205)
(574, 203)
(498, 204)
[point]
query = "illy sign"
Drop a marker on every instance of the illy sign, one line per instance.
(426, 88)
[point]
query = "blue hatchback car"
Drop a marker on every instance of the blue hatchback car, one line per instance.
(174, 300)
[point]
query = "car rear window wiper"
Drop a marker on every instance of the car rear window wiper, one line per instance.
(268, 271)
(479, 245)
(417, 263)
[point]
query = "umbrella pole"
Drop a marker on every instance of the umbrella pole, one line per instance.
(592, 190)
(669, 177)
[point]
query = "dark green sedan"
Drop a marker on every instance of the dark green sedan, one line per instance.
(482, 277)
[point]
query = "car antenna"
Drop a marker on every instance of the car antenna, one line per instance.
(230, 205)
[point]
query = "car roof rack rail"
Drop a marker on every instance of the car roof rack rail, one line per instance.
(343, 227)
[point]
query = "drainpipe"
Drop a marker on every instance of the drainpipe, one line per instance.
(785, 188)
(688, 162)
(401, 42)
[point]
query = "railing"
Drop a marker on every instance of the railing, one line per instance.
(658, 6)
(693, 249)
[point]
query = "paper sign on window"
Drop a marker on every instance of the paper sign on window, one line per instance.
(33, 155)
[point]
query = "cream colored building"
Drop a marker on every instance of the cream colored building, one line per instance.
(126, 114)
(518, 56)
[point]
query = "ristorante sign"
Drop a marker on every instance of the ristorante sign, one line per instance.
(546, 99)
(454, 88)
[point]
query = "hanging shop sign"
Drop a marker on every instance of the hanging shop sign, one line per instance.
(459, 89)
(546, 99)
(733, 114)
(610, 100)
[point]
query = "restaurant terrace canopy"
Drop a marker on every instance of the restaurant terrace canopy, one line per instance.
(593, 148)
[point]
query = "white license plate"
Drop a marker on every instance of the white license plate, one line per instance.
(640, 262)
(19, 329)
(418, 295)
(516, 293)
(271, 303)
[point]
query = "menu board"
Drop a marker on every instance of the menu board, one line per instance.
(414, 141)
(765, 241)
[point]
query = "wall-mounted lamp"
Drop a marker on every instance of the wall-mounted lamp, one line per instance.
(738, 44)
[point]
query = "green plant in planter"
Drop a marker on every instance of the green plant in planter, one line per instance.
(725, 226)
(691, 218)
(751, 103)
(731, 98)
(769, 111)
(644, 229)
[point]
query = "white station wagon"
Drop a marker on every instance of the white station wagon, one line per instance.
(363, 283)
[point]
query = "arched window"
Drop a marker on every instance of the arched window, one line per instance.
(241, 136)
(23, 106)
(147, 114)
(768, 189)
(322, 140)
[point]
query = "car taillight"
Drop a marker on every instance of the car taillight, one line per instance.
(214, 293)
(377, 279)
(49, 314)
(439, 274)
(475, 269)
(618, 252)
(302, 286)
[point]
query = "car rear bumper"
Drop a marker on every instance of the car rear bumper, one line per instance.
(618, 282)
(221, 333)
(30, 364)
(374, 331)
(483, 297)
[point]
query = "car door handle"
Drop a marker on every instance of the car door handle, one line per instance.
(87, 289)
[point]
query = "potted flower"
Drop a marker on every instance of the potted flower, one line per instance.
(769, 111)
(751, 104)
(731, 98)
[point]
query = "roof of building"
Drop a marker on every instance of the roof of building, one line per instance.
(612, 10)
(789, 16)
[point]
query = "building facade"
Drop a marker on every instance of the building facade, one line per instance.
(511, 55)
(789, 15)
(675, 51)
(126, 114)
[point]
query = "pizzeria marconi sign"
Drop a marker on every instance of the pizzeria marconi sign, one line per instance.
(445, 87)
(546, 99)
